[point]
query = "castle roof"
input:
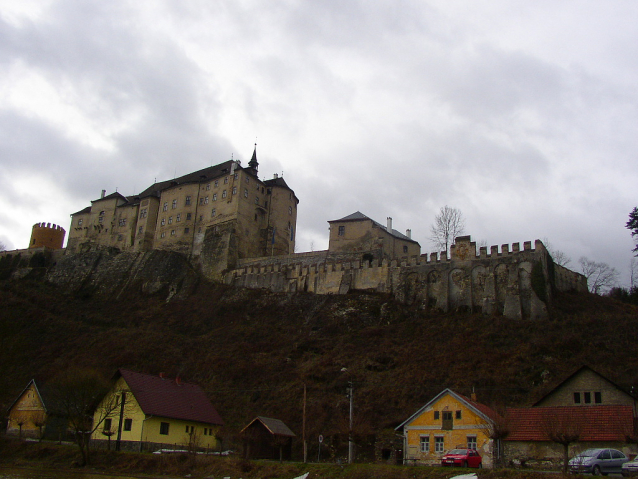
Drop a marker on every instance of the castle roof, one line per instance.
(82, 211)
(112, 196)
(171, 398)
(358, 216)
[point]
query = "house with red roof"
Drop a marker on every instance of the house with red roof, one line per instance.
(152, 412)
(586, 406)
(448, 421)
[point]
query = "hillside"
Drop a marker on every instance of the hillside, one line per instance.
(253, 350)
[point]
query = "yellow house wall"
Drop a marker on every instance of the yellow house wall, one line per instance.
(28, 408)
(470, 424)
(147, 428)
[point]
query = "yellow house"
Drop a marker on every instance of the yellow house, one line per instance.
(448, 421)
(146, 412)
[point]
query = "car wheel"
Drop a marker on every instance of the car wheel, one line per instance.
(596, 471)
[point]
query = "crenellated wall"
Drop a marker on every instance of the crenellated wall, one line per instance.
(513, 282)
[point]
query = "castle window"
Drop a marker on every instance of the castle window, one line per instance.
(224, 194)
(405, 249)
(201, 201)
(215, 197)
(188, 216)
(172, 232)
(119, 237)
(143, 213)
(178, 218)
(165, 207)
(163, 234)
(213, 213)
(245, 192)
(128, 423)
(140, 229)
(170, 220)
(201, 218)
(206, 200)
(101, 218)
(186, 230)
(226, 180)
(256, 200)
(425, 443)
(188, 200)
(208, 187)
(122, 222)
(234, 190)
(174, 205)
(80, 221)
(342, 232)
(247, 179)
(290, 210)
(236, 175)
(216, 183)
(163, 222)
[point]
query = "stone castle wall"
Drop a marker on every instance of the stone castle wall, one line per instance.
(513, 282)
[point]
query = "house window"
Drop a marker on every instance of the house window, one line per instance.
(214, 196)
(576, 398)
(165, 207)
(458, 414)
(164, 428)
(188, 216)
(471, 442)
(439, 444)
(172, 232)
(245, 192)
(143, 213)
(436, 415)
(178, 218)
(598, 397)
(188, 200)
(234, 190)
(107, 424)
(80, 221)
(587, 397)
(224, 194)
(405, 249)
(342, 232)
(174, 205)
(186, 230)
(170, 220)
(213, 213)
(128, 423)
(425, 443)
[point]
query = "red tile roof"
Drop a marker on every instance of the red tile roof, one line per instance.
(170, 398)
(488, 411)
(595, 423)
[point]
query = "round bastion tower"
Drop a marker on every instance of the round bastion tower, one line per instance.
(48, 235)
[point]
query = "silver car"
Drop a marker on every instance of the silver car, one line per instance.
(598, 461)
(630, 468)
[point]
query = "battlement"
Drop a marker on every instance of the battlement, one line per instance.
(49, 235)
(52, 226)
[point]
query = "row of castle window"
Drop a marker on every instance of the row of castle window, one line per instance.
(439, 443)
(174, 232)
(586, 397)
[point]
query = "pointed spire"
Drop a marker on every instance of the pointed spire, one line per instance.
(253, 161)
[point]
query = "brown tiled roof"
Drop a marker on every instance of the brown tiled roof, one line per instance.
(488, 411)
(275, 426)
(596, 423)
(170, 398)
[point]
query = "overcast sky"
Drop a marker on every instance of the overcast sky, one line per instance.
(522, 114)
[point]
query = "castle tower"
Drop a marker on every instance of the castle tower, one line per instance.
(253, 161)
(47, 235)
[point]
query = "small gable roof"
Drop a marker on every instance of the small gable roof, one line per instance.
(485, 412)
(358, 216)
(578, 371)
(596, 423)
(112, 196)
(275, 426)
(170, 398)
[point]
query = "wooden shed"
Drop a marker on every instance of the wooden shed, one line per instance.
(267, 438)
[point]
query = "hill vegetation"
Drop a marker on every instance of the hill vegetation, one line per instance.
(253, 351)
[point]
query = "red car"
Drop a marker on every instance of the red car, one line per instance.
(462, 458)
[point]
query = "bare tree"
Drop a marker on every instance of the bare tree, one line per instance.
(497, 430)
(633, 273)
(560, 258)
(600, 276)
(562, 429)
(39, 421)
(77, 393)
(448, 224)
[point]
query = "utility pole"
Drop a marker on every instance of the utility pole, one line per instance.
(305, 446)
(350, 443)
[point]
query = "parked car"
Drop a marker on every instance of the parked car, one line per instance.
(598, 461)
(462, 458)
(630, 468)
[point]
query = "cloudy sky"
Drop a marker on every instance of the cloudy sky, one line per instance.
(521, 114)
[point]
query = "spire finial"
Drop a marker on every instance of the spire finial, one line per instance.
(254, 164)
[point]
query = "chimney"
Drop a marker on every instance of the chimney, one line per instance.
(408, 233)
(473, 396)
(389, 225)
(275, 176)
(103, 193)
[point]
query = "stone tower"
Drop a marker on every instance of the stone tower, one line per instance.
(47, 235)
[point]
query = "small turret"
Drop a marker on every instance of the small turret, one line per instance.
(254, 164)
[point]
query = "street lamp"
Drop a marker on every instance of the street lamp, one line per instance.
(350, 395)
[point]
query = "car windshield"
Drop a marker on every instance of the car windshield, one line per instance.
(589, 453)
(458, 451)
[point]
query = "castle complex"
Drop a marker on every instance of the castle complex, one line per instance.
(236, 228)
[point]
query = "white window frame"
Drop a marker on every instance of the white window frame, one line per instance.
(424, 443)
(439, 444)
